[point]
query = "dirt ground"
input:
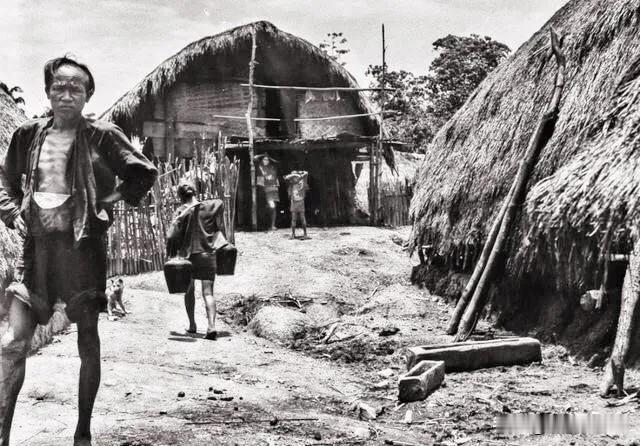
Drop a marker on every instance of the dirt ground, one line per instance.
(162, 387)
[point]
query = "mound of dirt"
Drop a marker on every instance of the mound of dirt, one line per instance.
(280, 324)
(321, 315)
(397, 300)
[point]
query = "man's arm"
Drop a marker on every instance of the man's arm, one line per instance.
(136, 172)
(11, 193)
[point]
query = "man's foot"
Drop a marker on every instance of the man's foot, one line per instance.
(211, 335)
(191, 330)
(81, 442)
(273, 228)
(293, 237)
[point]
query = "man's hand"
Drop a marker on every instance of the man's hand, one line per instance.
(112, 198)
(20, 226)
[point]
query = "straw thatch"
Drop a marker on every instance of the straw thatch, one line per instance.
(10, 118)
(589, 172)
(294, 57)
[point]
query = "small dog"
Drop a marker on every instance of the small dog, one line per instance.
(114, 297)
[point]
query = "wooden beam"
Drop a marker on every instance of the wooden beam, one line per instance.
(252, 164)
(289, 87)
(326, 118)
(188, 130)
(467, 356)
(244, 117)
(420, 381)
(319, 118)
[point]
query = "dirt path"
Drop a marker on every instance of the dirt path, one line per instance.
(238, 384)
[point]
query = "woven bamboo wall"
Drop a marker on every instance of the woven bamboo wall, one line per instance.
(325, 106)
(200, 102)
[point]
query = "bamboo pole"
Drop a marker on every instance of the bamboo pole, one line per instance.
(254, 199)
(469, 289)
(285, 87)
(536, 144)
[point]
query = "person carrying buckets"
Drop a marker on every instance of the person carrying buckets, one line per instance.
(197, 250)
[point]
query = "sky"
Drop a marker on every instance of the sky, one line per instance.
(123, 40)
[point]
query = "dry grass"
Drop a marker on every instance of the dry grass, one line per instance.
(587, 177)
(10, 118)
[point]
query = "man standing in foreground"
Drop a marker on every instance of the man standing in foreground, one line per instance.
(57, 188)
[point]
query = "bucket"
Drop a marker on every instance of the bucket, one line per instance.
(177, 274)
(226, 260)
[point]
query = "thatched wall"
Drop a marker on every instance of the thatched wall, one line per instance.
(10, 118)
(587, 174)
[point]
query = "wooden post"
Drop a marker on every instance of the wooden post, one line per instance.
(381, 134)
(615, 367)
(372, 188)
(254, 200)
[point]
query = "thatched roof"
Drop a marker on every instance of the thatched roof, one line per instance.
(301, 57)
(590, 168)
(10, 118)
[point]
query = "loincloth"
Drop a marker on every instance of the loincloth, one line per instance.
(54, 270)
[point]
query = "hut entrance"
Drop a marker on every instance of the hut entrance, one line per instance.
(282, 105)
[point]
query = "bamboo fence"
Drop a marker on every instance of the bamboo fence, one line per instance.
(136, 240)
(394, 204)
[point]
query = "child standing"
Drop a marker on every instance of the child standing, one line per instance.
(297, 190)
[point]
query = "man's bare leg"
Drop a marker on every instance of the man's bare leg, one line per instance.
(304, 224)
(293, 225)
(272, 214)
(210, 305)
(190, 305)
(14, 347)
(89, 350)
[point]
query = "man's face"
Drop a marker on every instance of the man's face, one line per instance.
(68, 92)
(265, 161)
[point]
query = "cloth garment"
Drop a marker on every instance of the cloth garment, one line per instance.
(203, 265)
(56, 270)
(64, 255)
(195, 228)
(100, 152)
(297, 215)
(298, 188)
(268, 178)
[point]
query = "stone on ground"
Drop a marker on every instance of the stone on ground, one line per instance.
(280, 324)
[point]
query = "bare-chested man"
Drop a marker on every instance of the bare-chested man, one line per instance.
(57, 189)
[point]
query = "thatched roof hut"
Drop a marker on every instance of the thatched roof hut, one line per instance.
(285, 57)
(201, 90)
(585, 184)
(10, 118)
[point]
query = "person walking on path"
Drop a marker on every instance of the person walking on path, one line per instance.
(194, 231)
(57, 189)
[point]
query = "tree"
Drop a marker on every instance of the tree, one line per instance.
(424, 103)
(335, 46)
(462, 64)
(14, 92)
(407, 104)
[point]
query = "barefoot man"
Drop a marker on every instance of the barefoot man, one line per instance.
(57, 188)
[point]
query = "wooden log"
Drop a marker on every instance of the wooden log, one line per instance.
(467, 356)
(614, 370)
(420, 381)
